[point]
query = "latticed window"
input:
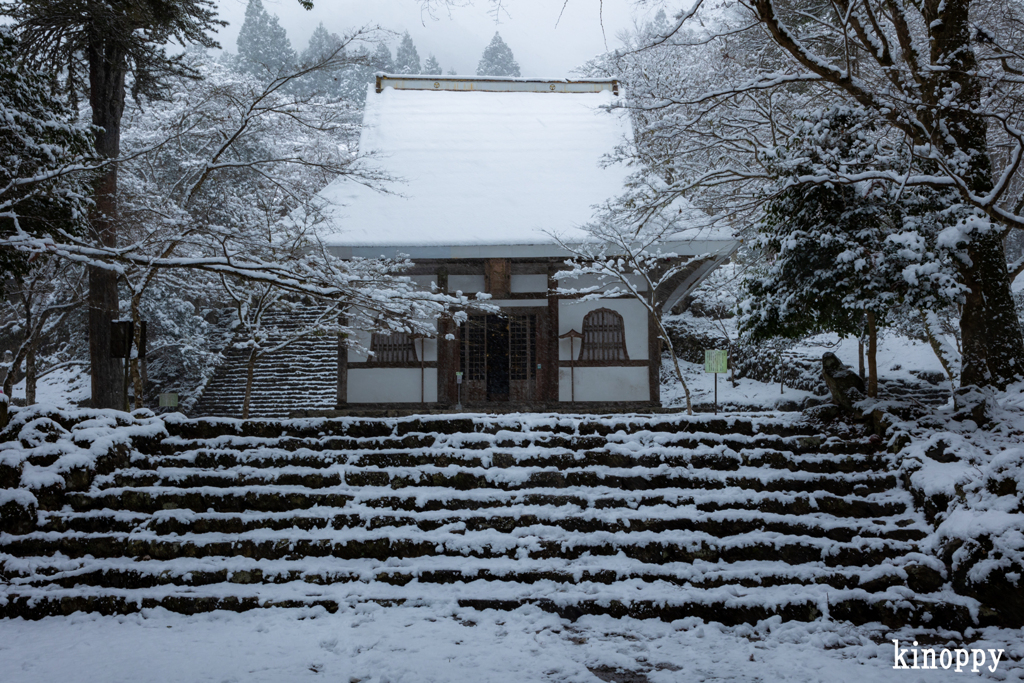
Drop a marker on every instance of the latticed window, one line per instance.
(522, 347)
(604, 336)
(474, 354)
(396, 347)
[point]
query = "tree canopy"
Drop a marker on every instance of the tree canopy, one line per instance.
(41, 144)
(407, 59)
(497, 60)
(263, 45)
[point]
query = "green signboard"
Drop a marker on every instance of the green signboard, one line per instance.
(716, 360)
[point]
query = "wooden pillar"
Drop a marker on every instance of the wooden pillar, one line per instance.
(447, 350)
(342, 372)
(447, 361)
(654, 358)
(498, 277)
(552, 362)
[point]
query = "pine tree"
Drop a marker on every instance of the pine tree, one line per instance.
(382, 60)
(353, 79)
(322, 45)
(432, 66)
(38, 130)
(407, 60)
(848, 259)
(453, 72)
(263, 45)
(112, 38)
(497, 60)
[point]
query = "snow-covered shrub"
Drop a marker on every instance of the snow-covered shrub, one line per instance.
(970, 484)
(46, 452)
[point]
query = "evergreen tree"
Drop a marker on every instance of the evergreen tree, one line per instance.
(104, 42)
(382, 60)
(322, 45)
(353, 79)
(39, 135)
(848, 259)
(497, 60)
(263, 46)
(453, 72)
(407, 60)
(432, 66)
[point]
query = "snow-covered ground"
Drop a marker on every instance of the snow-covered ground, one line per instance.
(65, 387)
(373, 644)
(899, 358)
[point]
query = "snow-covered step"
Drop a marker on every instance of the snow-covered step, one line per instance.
(342, 478)
(567, 517)
(719, 458)
(283, 498)
(536, 541)
(303, 374)
(728, 604)
(466, 427)
(917, 570)
(652, 515)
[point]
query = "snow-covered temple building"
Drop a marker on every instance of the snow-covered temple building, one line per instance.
(490, 170)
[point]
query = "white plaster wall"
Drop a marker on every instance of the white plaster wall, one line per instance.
(467, 284)
(429, 347)
(634, 319)
(519, 303)
(363, 339)
(426, 347)
(585, 281)
(391, 385)
(530, 283)
(605, 384)
(424, 282)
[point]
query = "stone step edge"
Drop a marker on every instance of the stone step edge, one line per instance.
(914, 612)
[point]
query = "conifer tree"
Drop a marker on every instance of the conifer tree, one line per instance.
(497, 60)
(432, 66)
(322, 45)
(382, 60)
(848, 259)
(263, 45)
(104, 42)
(407, 59)
(39, 132)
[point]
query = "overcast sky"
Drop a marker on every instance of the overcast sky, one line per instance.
(458, 38)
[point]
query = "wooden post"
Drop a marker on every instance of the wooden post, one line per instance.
(572, 335)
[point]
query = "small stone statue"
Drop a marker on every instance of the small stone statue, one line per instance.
(844, 384)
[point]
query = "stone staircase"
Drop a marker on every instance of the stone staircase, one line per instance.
(303, 375)
(922, 393)
(729, 519)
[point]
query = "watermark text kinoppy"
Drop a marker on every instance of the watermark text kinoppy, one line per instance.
(930, 658)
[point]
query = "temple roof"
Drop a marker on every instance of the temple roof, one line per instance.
(480, 170)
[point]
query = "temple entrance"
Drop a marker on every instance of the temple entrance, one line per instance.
(498, 358)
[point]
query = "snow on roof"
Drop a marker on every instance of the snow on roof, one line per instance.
(479, 169)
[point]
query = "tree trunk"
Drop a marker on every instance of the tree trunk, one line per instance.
(106, 95)
(860, 358)
(5, 396)
(663, 333)
(249, 371)
(30, 374)
(993, 348)
(939, 346)
(30, 355)
(872, 356)
(993, 345)
(138, 385)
